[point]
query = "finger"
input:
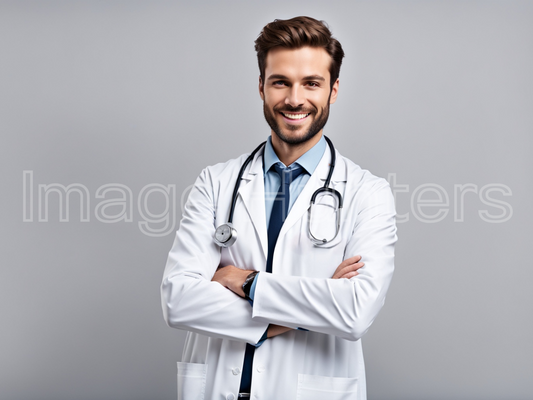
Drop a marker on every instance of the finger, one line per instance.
(351, 267)
(346, 263)
(352, 260)
(349, 275)
(347, 269)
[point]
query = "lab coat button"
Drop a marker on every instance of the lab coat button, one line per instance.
(236, 371)
(260, 369)
(230, 396)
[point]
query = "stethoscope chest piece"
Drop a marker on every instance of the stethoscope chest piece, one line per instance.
(225, 235)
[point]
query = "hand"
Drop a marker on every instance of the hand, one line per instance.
(348, 268)
(232, 278)
(275, 330)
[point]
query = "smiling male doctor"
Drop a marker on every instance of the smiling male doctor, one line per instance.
(289, 327)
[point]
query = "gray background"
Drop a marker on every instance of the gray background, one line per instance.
(140, 93)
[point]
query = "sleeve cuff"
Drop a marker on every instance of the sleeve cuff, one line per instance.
(252, 292)
(263, 338)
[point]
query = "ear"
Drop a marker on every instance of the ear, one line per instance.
(334, 92)
(261, 89)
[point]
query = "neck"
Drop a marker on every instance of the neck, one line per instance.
(289, 153)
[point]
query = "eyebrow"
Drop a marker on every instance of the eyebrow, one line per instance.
(305, 78)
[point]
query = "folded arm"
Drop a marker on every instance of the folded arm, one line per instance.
(233, 278)
(340, 307)
(190, 300)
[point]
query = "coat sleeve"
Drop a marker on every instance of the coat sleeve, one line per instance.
(340, 307)
(190, 301)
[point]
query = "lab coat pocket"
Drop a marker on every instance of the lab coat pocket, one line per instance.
(191, 381)
(315, 387)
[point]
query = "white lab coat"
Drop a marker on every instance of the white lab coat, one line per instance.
(325, 362)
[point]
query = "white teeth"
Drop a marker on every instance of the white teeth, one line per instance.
(295, 116)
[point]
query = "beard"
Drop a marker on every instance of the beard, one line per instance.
(317, 125)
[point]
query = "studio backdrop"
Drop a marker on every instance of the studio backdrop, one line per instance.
(110, 110)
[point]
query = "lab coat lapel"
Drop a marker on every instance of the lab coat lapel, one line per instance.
(303, 202)
(252, 193)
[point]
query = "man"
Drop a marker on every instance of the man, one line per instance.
(280, 313)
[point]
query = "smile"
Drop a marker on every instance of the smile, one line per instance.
(295, 116)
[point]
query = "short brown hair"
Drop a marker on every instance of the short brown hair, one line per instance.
(295, 33)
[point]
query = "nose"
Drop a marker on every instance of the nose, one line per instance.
(295, 97)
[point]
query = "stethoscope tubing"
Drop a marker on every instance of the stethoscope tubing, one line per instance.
(223, 229)
(238, 181)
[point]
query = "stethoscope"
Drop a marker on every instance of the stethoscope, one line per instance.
(226, 234)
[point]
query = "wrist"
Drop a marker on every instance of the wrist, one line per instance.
(235, 279)
(247, 284)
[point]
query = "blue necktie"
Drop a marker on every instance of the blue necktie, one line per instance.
(280, 209)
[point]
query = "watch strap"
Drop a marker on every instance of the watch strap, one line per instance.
(247, 285)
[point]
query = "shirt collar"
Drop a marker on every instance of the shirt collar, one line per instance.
(309, 160)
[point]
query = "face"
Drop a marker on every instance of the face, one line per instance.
(296, 93)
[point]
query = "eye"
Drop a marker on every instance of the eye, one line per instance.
(278, 83)
(313, 84)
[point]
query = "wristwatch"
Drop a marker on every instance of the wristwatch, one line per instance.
(247, 285)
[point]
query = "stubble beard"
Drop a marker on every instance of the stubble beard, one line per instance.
(316, 126)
